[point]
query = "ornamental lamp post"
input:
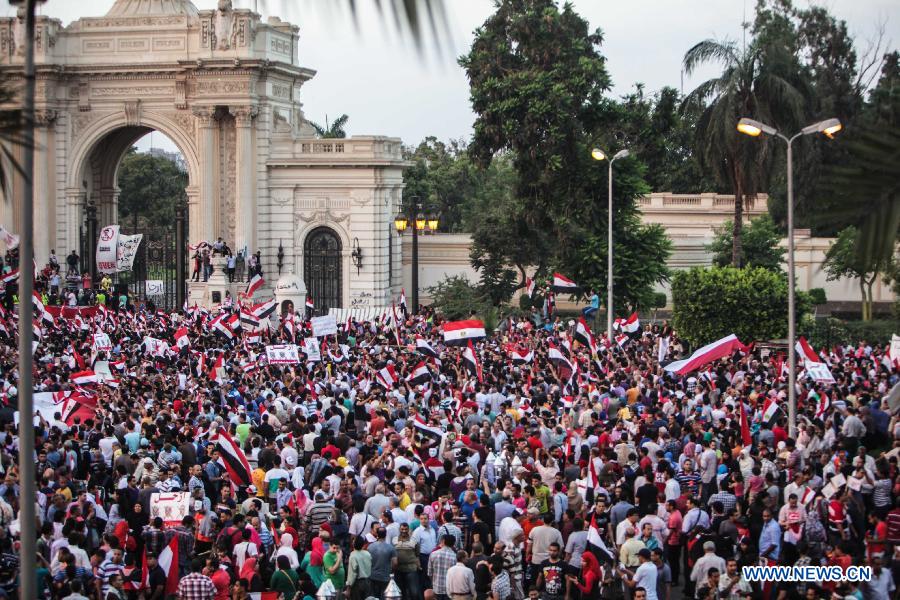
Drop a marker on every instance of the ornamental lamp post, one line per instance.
(411, 214)
(598, 155)
(753, 128)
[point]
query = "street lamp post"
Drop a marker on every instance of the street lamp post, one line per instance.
(411, 213)
(753, 128)
(598, 154)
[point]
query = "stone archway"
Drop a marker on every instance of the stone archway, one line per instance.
(224, 85)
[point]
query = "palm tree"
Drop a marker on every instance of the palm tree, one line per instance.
(747, 87)
(335, 130)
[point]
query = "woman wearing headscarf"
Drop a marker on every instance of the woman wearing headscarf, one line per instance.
(312, 562)
(591, 576)
(286, 549)
(250, 574)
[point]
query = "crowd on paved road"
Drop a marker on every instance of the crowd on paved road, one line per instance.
(400, 461)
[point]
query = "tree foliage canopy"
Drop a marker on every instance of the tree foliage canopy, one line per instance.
(150, 186)
(537, 83)
(750, 303)
(760, 246)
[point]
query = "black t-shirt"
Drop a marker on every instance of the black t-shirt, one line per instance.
(157, 578)
(554, 579)
(484, 534)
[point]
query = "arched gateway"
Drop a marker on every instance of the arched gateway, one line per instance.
(224, 86)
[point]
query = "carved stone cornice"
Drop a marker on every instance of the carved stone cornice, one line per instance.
(45, 117)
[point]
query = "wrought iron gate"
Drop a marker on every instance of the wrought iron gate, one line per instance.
(322, 269)
(155, 262)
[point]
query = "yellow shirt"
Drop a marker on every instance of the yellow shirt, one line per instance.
(259, 477)
(404, 501)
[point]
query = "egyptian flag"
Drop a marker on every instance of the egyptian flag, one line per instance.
(584, 336)
(386, 377)
(39, 309)
(309, 303)
(265, 309)
(432, 433)
(703, 356)
(77, 358)
(181, 338)
(201, 364)
(249, 319)
(822, 405)
(529, 287)
(233, 459)
(521, 357)
(622, 339)
(631, 325)
(213, 372)
(253, 285)
(223, 326)
(168, 562)
(78, 408)
(459, 333)
(805, 351)
(564, 285)
(424, 348)
(84, 377)
(563, 365)
(745, 425)
(10, 277)
(472, 363)
(597, 546)
(419, 375)
(771, 412)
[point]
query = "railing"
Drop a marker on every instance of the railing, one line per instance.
(705, 202)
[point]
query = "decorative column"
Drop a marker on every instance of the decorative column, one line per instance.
(202, 218)
(245, 189)
(75, 199)
(91, 210)
(43, 120)
(180, 253)
(109, 203)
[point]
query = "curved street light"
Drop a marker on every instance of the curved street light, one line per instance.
(598, 154)
(754, 128)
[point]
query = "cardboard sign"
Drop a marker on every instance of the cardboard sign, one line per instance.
(283, 354)
(172, 507)
(102, 342)
(311, 348)
(126, 250)
(155, 287)
(322, 326)
(819, 372)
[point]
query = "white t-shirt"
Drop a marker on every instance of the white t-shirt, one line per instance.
(243, 551)
(645, 577)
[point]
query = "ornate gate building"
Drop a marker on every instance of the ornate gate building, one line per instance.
(225, 86)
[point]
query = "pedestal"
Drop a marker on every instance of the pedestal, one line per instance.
(211, 293)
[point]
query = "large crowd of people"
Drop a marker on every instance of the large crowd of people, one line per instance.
(396, 464)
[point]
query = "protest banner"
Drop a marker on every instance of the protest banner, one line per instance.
(171, 507)
(325, 325)
(283, 354)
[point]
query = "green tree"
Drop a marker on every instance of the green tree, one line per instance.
(150, 188)
(537, 84)
(714, 302)
(333, 130)
(753, 84)
(457, 298)
(842, 261)
(760, 247)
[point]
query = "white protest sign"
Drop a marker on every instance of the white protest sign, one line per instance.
(171, 507)
(325, 325)
(311, 348)
(10, 239)
(155, 287)
(106, 249)
(895, 347)
(283, 354)
(126, 250)
(102, 342)
(155, 347)
(819, 372)
(102, 371)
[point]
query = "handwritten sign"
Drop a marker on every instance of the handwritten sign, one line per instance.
(102, 342)
(819, 372)
(325, 325)
(155, 287)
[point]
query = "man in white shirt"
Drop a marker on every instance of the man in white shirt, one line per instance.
(460, 578)
(644, 576)
(709, 560)
(245, 549)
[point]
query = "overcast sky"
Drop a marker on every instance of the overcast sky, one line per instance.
(388, 89)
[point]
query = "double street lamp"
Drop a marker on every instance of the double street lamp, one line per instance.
(411, 214)
(598, 154)
(828, 127)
